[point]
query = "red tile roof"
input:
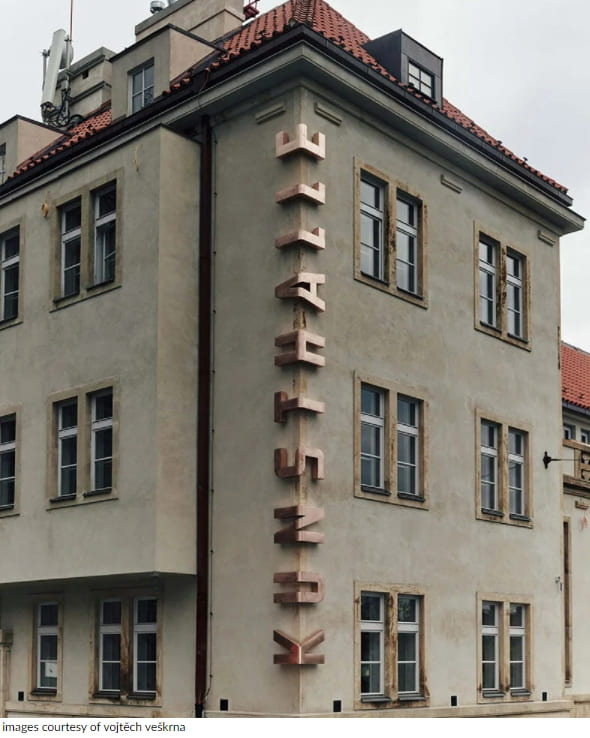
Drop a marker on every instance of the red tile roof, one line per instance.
(575, 376)
(322, 19)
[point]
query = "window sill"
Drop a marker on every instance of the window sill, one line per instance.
(97, 492)
(522, 518)
(493, 513)
(377, 699)
(65, 298)
(63, 498)
(9, 322)
(413, 498)
(106, 695)
(521, 692)
(377, 280)
(5, 508)
(43, 692)
(492, 694)
(391, 289)
(148, 696)
(89, 293)
(375, 490)
(98, 285)
(411, 697)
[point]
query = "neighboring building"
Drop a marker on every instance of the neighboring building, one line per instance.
(269, 444)
(575, 464)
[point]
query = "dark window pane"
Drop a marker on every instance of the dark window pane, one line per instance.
(48, 648)
(48, 614)
(111, 647)
(7, 430)
(406, 674)
(111, 677)
(103, 473)
(371, 607)
(111, 612)
(147, 611)
(73, 218)
(146, 677)
(370, 646)
(103, 405)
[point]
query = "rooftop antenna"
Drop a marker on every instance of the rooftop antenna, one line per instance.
(58, 58)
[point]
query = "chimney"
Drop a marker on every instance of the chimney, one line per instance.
(209, 19)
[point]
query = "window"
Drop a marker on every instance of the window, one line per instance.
(390, 663)
(503, 464)
(127, 647)
(490, 638)
(7, 461)
(373, 195)
(372, 434)
(67, 448)
(389, 236)
(9, 277)
(110, 646)
(502, 279)
(102, 440)
(105, 229)
(585, 435)
(145, 645)
(569, 432)
(71, 236)
(84, 438)
(2, 163)
(390, 445)
(407, 245)
(142, 86)
(420, 79)
(487, 283)
(47, 648)
(504, 649)
(86, 257)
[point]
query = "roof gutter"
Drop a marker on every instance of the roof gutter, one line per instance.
(204, 414)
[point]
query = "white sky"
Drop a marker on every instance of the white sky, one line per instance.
(519, 68)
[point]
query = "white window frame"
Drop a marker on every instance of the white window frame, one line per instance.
(138, 629)
(44, 631)
(490, 452)
(98, 426)
(569, 432)
(410, 628)
(7, 263)
(515, 281)
(376, 215)
(378, 422)
(518, 632)
(585, 435)
(489, 270)
(491, 631)
(141, 93)
(421, 79)
(517, 460)
(8, 447)
(375, 626)
(66, 238)
(413, 432)
(62, 435)
(110, 629)
(410, 284)
(101, 224)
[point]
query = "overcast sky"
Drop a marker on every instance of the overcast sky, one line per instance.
(519, 68)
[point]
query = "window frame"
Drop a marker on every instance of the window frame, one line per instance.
(393, 191)
(100, 222)
(12, 447)
(88, 196)
(128, 629)
(37, 692)
(2, 163)
(5, 265)
(569, 428)
(391, 696)
(503, 512)
(502, 282)
(100, 426)
(503, 691)
(85, 437)
(389, 491)
(132, 74)
(429, 91)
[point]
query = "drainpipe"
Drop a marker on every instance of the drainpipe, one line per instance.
(204, 414)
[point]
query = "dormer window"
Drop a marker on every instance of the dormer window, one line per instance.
(141, 82)
(420, 79)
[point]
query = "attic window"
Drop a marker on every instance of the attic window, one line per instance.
(141, 83)
(420, 79)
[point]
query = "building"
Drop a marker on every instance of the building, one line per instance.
(575, 463)
(266, 449)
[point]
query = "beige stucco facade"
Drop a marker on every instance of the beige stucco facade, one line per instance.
(331, 332)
